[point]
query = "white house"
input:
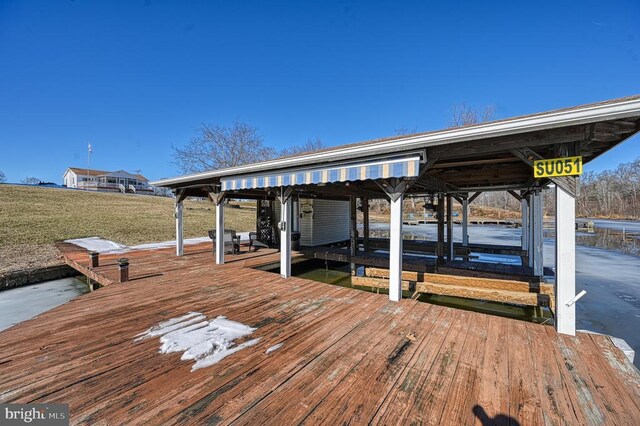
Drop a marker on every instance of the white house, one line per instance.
(100, 180)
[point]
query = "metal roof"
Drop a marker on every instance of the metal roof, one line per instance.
(584, 114)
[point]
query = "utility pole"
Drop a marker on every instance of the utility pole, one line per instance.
(86, 185)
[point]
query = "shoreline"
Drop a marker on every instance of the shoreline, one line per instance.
(36, 275)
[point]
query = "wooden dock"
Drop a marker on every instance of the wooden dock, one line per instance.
(347, 356)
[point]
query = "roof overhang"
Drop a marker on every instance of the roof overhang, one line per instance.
(539, 129)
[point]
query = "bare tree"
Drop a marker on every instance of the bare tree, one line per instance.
(3, 177)
(217, 147)
(31, 180)
(610, 193)
(310, 145)
(464, 115)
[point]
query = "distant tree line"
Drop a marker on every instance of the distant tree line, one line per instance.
(30, 180)
(611, 193)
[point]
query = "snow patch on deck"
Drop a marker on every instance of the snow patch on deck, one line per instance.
(97, 244)
(273, 348)
(107, 246)
(206, 342)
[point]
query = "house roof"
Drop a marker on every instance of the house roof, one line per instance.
(92, 172)
(84, 172)
(523, 131)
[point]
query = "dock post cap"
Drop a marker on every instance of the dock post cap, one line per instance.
(123, 267)
(93, 257)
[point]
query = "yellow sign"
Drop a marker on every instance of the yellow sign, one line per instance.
(569, 166)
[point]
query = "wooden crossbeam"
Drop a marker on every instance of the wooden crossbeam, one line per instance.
(474, 196)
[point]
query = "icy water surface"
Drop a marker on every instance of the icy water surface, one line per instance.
(20, 304)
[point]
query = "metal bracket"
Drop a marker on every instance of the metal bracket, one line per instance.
(575, 298)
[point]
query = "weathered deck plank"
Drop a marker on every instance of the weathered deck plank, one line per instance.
(347, 355)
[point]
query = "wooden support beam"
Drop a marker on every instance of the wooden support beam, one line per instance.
(464, 163)
(181, 195)
(217, 197)
(515, 195)
(365, 223)
(394, 188)
(506, 143)
(474, 196)
(284, 193)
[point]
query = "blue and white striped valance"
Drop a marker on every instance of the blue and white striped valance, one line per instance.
(380, 169)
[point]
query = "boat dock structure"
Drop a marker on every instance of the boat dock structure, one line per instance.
(324, 354)
(224, 333)
(323, 192)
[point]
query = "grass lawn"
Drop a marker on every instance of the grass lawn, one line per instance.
(33, 218)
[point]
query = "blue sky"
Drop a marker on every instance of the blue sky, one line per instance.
(136, 77)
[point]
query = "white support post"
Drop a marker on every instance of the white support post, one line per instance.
(450, 251)
(538, 260)
(525, 222)
(531, 228)
(395, 250)
(565, 290)
(524, 239)
(535, 239)
(220, 233)
(465, 221)
(285, 237)
(179, 230)
(353, 233)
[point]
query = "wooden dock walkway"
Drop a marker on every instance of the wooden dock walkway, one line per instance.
(347, 356)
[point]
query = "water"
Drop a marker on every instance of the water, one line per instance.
(335, 273)
(21, 303)
(621, 236)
